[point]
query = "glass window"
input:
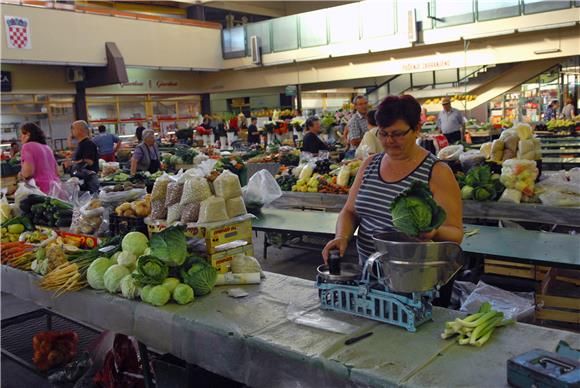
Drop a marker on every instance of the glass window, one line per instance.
(535, 6)
(261, 30)
(445, 76)
(234, 42)
(495, 9)
(343, 23)
(378, 18)
(188, 109)
(450, 13)
(285, 33)
(164, 109)
(423, 78)
(313, 29)
(399, 84)
(421, 8)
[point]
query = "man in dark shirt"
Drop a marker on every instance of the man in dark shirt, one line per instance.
(87, 151)
(311, 142)
(253, 134)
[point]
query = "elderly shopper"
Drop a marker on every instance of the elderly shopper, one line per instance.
(146, 155)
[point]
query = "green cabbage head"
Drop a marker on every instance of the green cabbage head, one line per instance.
(158, 296)
(113, 277)
(415, 211)
(183, 294)
(96, 272)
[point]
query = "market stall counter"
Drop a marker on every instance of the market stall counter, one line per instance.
(559, 250)
(256, 341)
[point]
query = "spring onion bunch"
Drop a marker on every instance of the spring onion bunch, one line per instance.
(475, 329)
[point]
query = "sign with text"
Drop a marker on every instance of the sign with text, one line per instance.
(428, 65)
(6, 77)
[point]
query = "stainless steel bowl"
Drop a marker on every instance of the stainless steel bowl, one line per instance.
(411, 265)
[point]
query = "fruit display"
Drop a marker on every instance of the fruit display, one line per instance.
(12, 228)
(559, 125)
(286, 182)
(466, 97)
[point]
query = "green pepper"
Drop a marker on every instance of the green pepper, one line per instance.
(19, 220)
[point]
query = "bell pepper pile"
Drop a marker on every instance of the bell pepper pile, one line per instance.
(53, 348)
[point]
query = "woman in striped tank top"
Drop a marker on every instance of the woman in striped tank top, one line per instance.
(383, 176)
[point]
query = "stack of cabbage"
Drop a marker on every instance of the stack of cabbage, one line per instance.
(143, 269)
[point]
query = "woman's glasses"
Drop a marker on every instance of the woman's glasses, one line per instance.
(396, 135)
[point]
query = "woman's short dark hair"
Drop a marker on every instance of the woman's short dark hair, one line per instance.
(310, 122)
(102, 128)
(371, 117)
(34, 133)
(394, 108)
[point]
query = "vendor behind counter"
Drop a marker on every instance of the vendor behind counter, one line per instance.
(146, 154)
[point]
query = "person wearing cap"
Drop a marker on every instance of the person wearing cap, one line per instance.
(450, 122)
(146, 155)
(311, 142)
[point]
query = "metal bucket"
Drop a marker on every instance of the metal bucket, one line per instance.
(411, 265)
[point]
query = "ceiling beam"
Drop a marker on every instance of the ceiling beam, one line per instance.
(243, 7)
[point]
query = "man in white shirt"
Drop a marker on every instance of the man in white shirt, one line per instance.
(450, 121)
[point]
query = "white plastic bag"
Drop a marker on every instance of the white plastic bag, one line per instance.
(518, 306)
(511, 195)
(559, 199)
(236, 207)
(65, 191)
(23, 191)
(450, 153)
(262, 189)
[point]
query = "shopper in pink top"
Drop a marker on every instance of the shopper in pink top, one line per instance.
(37, 158)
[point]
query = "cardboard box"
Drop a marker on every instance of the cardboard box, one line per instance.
(222, 261)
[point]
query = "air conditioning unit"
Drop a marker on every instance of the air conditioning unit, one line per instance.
(75, 74)
(256, 50)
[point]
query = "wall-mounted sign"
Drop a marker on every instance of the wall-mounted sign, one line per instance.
(291, 90)
(151, 84)
(6, 77)
(428, 65)
(17, 32)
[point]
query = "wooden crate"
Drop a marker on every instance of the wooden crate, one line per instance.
(549, 307)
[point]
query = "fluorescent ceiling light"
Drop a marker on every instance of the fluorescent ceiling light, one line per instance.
(489, 34)
(547, 27)
(284, 62)
(547, 51)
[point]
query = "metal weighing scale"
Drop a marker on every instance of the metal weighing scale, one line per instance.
(397, 283)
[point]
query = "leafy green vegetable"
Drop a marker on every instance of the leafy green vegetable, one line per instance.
(151, 270)
(183, 294)
(96, 272)
(466, 192)
(415, 211)
(478, 175)
(144, 293)
(158, 296)
(126, 259)
(129, 287)
(170, 284)
(113, 277)
(135, 243)
(201, 276)
(170, 246)
(484, 193)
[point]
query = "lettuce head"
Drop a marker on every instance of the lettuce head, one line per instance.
(415, 211)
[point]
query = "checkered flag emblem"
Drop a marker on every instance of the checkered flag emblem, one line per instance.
(18, 32)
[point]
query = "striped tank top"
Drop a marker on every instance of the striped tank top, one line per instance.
(373, 201)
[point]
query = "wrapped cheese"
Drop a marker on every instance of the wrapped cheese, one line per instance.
(485, 150)
(213, 209)
(511, 143)
(236, 207)
(526, 150)
(524, 131)
(497, 148)
(227, 185)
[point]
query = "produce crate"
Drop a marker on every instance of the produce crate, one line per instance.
(215, 236)
(119, 225)
(222, 261)
(557, 290)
